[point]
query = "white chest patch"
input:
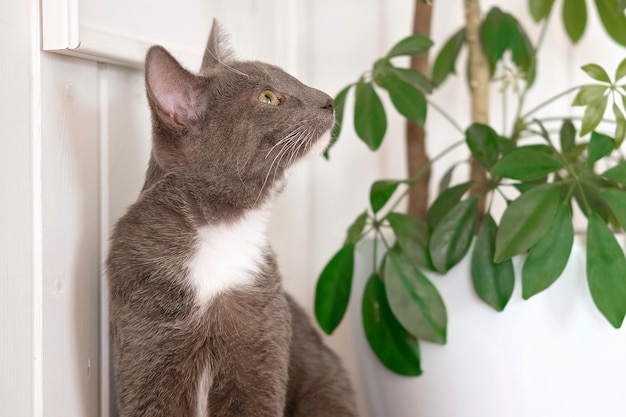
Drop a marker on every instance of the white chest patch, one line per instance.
(228, 255)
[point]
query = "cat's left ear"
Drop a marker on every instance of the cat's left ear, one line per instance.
(217, 51)
(175, 94)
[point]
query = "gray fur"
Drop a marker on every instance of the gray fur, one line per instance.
(216, 155)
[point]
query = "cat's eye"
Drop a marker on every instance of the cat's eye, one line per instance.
(268, 97)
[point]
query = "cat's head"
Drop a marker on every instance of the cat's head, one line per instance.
(236, 126)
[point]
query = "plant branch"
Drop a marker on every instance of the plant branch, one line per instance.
(479, 87)
(561, 118)
(417, 156)
(549, 101)
(423, 171)
(533, 66)
(445, 114)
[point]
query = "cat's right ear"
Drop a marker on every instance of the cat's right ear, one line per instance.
(175, 95)
(217, 49)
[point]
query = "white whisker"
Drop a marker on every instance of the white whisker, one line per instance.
(236, 71)
(239, 173)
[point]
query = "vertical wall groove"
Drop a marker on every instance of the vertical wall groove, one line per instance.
(104, 222)
(37, 193)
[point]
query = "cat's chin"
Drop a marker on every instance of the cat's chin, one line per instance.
(320, 145)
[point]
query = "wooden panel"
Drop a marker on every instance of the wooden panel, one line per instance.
(70, 225)
(20, 265)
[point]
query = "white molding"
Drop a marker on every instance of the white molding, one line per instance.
(59, 20)
(63, 32)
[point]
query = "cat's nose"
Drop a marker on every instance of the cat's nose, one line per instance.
(329, 105)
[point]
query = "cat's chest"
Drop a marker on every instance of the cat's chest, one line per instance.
(229, 255)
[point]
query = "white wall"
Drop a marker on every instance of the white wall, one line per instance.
(76, 142)
(20, 247)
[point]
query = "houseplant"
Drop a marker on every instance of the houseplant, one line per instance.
(542, 176)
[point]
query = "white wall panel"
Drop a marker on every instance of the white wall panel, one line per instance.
(71, 236)
(20, 245)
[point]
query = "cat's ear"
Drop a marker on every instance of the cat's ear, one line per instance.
(175, 94)
(217, 51)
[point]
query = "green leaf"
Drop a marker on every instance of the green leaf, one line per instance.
(522, 50)
(621, 5)
(339, 104)
(616, 200)
(409, 101)
(620, 72)
(411, 45)
(606, 271)
(599, 146)
(526, 220)
(412, 237)
(540, 9)
(452, 237)
(445, 62)
(493, 282)
(396, 348)
(526, 164)
(616, 173)
(589, 194)
(613, 20)
(574, 18)
(380, 192)
(446, 178)
(544, 134)
(574, 154)
(370, 121)
(496, 32)
(444, 203)
(333, 289)
(482, 141)
(620, 126)
(414, 300)
(522, 187)
(414, 78)
(588, 94)
(593, 115)
(596, 72)
(506, 145)
(548, 257)
(355, 230)
(567, 136)
(501, 31)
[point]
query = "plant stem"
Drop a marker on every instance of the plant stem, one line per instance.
(385, 242)
(587, 207)
(548, 101)
(479, 87)
(375, 251)
(560, 118)
(445, 114)
(424, 170)
(533, 65)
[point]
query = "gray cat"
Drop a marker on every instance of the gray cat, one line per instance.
(200, 323)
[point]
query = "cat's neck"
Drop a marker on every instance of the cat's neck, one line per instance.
(214, 201)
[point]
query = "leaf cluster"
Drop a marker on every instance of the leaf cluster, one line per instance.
(543, 175)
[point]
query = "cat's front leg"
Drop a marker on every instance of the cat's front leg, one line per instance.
(251, 358)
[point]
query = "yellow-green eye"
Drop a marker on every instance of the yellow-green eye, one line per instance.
(268, 97)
